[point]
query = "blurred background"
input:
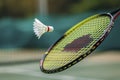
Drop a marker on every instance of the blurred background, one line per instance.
(19, 45)
(16, 20)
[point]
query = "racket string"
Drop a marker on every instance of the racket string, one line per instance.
(58, 57)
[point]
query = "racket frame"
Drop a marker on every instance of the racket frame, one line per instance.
(105, 34)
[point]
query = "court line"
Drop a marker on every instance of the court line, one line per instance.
(39, 74)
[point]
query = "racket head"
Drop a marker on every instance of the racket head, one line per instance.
(77, 43)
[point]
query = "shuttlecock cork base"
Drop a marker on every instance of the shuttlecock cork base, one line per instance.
(39, 28)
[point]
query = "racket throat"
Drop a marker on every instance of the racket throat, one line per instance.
(115, 14)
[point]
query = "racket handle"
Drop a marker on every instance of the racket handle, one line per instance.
(116, 13)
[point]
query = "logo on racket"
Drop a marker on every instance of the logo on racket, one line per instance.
(78, 44)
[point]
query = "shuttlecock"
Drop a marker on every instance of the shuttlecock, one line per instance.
(39, 28)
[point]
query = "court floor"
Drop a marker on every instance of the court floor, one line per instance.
(105, 66)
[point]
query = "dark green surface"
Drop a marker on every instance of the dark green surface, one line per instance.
(18, 33)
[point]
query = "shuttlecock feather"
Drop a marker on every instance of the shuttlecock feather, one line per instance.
(39, 28)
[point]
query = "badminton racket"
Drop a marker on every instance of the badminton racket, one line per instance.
(78, 42)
